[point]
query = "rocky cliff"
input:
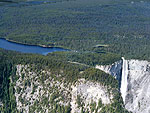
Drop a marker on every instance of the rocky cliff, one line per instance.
(114, 69)
(135, 83)
(138, 88)
(40, 91)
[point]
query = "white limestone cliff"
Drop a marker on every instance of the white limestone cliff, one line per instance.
(113, 69)
(30, 89)
(138, 89)
(88, 92)
(135, 83)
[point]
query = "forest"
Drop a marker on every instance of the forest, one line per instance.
(97, 32)
(81, 26)
(86, 58)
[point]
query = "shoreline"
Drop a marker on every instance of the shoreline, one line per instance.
(43, 46)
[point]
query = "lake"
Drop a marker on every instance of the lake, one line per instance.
(28, 48)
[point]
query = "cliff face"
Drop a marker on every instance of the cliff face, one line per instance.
(135, 83)
(114, 69)
(138, 88)
(41, 91)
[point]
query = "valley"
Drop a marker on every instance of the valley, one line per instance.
(74, 56)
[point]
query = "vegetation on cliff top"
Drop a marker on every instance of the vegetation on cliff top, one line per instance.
(70, 72)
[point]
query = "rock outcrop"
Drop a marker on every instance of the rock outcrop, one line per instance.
(137, 97)
(114, 69)
(40, 91)
(88, 93)
(135, 83)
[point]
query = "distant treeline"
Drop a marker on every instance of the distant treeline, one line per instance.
(81, 26)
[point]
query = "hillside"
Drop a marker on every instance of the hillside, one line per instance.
(105, 65)
(35, 83)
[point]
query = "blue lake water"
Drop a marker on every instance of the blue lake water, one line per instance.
(28, 48)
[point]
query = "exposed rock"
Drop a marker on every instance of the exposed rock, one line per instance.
(138, 90)
(88, 92)
(135, 83)
(38, 89)
(114, 69)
